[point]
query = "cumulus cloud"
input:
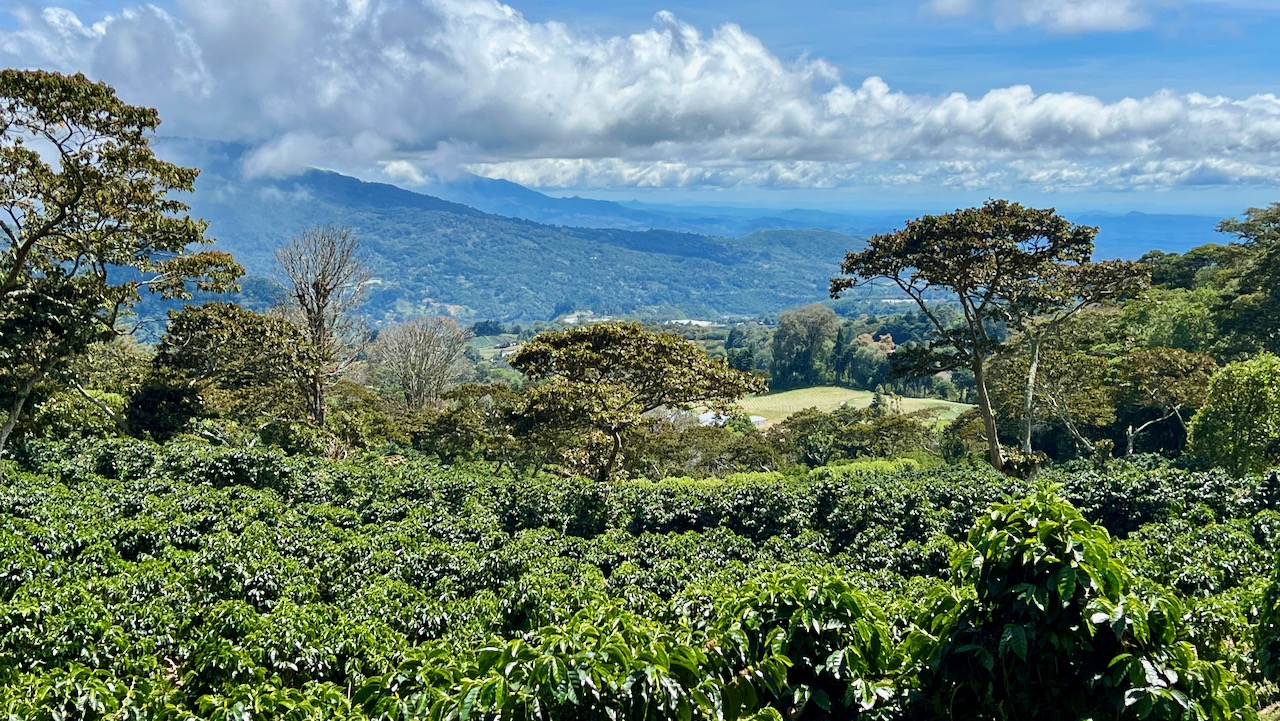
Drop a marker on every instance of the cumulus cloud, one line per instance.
(432, 87)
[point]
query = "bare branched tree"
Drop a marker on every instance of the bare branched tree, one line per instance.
(417, 361)
(326, 277)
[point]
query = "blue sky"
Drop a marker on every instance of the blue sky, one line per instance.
(1156, 105)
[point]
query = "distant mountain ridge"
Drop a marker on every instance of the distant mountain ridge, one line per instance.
(523, 255)
(1121, 235)
(433, 256)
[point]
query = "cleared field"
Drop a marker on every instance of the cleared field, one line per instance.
(777, 406)
(489, 346)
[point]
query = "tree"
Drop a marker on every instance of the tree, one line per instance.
(604, 377)
(415, 362)
(327, 280)
(86, 221)
(244, 365)
(1071, 393)
(1250, 313)
(1178, 318)
(1238, 428)
(1006, 266)
(36, 338)
(1159, 384)
(802, 346)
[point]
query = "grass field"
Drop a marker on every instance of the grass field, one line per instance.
(777, 406)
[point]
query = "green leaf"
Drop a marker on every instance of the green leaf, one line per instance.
(1014, 639)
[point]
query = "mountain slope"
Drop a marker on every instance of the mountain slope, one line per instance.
(430, 255)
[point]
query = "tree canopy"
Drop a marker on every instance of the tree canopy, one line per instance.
(605, 376)
(86, 218)
(1006, 266)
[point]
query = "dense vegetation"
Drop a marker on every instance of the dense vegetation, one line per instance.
(186, 581)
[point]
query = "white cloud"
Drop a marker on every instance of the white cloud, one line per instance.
(1072, 16)
(1062, 16)
(423, 87)
(404, 172)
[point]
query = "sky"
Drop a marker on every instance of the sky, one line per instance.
(1151, 105)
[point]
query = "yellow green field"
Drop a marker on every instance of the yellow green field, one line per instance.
(777, 406)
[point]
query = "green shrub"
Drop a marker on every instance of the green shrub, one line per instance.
(1054, 630)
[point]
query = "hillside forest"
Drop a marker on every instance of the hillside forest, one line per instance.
(303, 509)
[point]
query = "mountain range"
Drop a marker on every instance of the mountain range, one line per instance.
(479, 248)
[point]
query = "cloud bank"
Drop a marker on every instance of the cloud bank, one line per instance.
(420, 87)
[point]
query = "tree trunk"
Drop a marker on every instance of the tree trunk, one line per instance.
(607, 469)
(1084, 445)
(120, 422)
(15, 411)
(994, 454)
(1129, 435)
(1029, 398)
(317, 399)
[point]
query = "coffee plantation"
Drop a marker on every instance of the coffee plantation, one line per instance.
(186, 581)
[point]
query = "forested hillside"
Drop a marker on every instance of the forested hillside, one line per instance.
(430, 256)
(433, 256)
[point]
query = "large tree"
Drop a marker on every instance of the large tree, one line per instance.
(86, 221)
(1158, 384)
(1007, 267)
(326, 278)
(1238, 427)
(802, 346)
(249, 366)
(604, 377)
(416, 361)
(1250, 314)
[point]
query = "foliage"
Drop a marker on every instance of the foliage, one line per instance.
(87, 220)
(246, 366)
(1268, 632)
(802, 346)
(1054, 630)
(606, 376)
(1006, 266)
(1159, 384)
(1071, 404)
(1249, 314)
(814, 438)
(187, 581)
(1238, 428)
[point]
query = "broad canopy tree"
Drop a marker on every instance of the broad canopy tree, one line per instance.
(803, 345)
(1008, 268)
(1159, 384)
(604, 377)
(1252, 305)
(248, 366)
(86, 218)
